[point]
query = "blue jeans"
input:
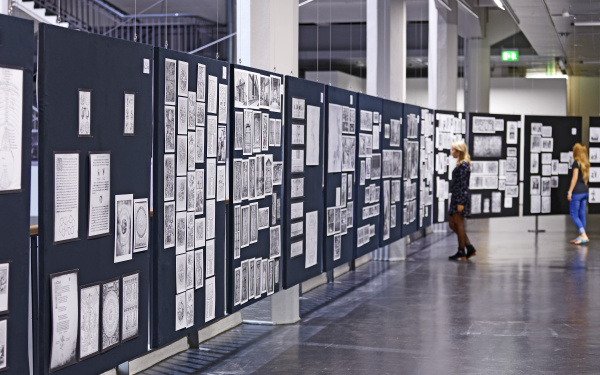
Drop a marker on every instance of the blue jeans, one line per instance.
(577, 207)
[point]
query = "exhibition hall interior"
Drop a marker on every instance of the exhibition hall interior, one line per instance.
(299, 187)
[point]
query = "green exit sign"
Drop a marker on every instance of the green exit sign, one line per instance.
(510, 55)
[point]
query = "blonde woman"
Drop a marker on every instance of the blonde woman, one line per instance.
(578, 191)
(460, 202)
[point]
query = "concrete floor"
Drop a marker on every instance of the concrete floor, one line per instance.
(521, 306)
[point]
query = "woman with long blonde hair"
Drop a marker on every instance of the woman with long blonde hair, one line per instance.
(578, 191)
(460, 201)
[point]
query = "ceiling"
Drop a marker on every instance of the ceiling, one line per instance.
(545, 30)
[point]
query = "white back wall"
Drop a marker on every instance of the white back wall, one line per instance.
(524, 96)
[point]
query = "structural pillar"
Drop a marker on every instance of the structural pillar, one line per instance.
(443, 56)
(267, 39)
(386, 49)
(4, 6)
(477, 75)
(267, 35)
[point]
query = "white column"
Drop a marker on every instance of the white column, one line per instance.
(4, 6)
(386, 49)
(267, 39)
(443, 56)
(477, 75)
(267, 35)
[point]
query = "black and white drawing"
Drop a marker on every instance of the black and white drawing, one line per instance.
(181, 193)
(275, 243)
(182, 155)
(594, 134)
(170, 81)
(130, 306)
(348, 153)
(334, 146)
(278, 172)
(65, 311)
(297, 187)
(298, 108)
(199, 232)
(169, 225)
(180, 305)
(253, 89)
(129, 114)
(241, 88)
(201, 83)
(123, 227)
(487, 146)
(191, 148)
(182, 116)
(211, 102)
(190, 231)
(275, 94)
(265, 131)
(169, 129)
(110, 314)
(189, 308)
(265, 92)
(484, 125)
(181, 230)
(512, 132)
(182, 78)
(297, 161)
(298, 134)
(85, 113)
(141, 228)
(191, 111)
(223, 99)
(89, 321)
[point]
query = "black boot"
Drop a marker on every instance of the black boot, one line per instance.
(460, 255)
(471, 251)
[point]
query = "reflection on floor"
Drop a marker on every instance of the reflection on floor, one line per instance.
(520, 306)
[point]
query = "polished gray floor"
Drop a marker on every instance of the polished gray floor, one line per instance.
(521, 306)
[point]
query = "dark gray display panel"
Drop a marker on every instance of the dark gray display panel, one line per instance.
(190, 146)
(368, 166)
(495, 149)
(411, 153)
(392, 116)
(16, 81)
(449, 127)
(303, 137)
(255, 187)
(340, 162)
(594, 156)
(548, 158)
(426, 169)
(93, 278)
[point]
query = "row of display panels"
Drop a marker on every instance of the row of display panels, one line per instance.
(88, 301)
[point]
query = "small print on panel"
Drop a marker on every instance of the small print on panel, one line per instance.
(129, 120)
(141, 220)
(89, 318)
(65, 311)
(110, 314)
(123, 227)
(85, 113)
(99, 209)
(130, 308)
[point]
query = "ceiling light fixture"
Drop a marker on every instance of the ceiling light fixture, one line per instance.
(305, 2)
(587, 23)
(468, 8)
(445, 5)
(499, 4)
(561, 65)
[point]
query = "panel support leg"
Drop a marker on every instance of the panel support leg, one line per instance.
(536, 230)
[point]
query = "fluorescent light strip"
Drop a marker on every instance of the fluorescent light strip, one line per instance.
(468, 8)
(305, 2)
(499, 4)
(587, 23)
(445, 5)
